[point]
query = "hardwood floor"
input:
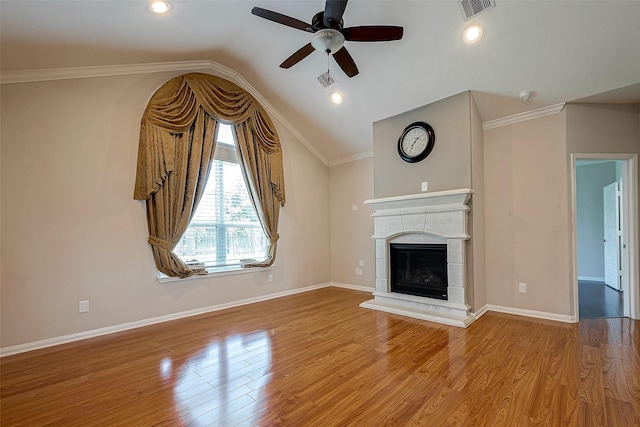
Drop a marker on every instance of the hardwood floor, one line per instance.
(595, 299)
(317, 359)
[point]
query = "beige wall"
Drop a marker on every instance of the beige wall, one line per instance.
(71, 230)
(610, 129)
(476, 246)
(602, 128)
(448, 167)
(528, 216)
(527, 220)
(351, 184)
(457, 161)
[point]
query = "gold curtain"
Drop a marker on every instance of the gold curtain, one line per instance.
(177, 142)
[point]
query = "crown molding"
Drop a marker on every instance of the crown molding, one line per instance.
(29, 76)
(522, 117)
(48, 74)
(352, 158)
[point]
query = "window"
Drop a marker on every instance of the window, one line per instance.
(225, 230)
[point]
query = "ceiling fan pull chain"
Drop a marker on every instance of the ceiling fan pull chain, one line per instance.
(328, 60)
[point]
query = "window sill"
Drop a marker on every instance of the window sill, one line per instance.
(230, 271)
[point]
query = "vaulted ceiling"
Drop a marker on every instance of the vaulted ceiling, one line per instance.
(560, 50)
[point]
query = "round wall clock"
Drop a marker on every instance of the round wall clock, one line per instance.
(416, 142)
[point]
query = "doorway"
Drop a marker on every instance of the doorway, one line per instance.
(604, 200)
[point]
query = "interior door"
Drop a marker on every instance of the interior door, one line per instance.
(611, 258)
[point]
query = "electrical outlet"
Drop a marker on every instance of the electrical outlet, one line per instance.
(358, 271)
(522, 288)
(354, 207)
(424, 186)
(83, 306)
(270, 278)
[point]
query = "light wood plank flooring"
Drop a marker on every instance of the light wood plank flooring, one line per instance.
(317, 359)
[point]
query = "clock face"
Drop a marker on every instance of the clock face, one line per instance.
(416, 142)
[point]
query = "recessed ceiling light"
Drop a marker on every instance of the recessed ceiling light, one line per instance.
(160, 7)
(336, 98)
(472, 34)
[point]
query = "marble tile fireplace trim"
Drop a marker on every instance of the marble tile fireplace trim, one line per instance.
(426, 218)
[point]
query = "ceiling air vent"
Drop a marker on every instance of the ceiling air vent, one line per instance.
(471, 8)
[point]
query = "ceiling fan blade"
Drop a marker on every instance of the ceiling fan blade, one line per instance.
(333, 11)
(297, 56)
(282, 19)
(373, 33)
(345, 61)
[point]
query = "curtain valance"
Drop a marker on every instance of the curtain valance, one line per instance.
(172, 111)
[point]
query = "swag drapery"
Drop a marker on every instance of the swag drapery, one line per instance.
(177, 142)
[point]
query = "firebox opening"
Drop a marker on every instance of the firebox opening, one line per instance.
(419, 269)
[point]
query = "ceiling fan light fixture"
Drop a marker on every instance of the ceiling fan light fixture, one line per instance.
(327, 40)
(329, 34)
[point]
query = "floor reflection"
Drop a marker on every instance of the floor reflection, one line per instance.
(596, 300)
(223, 384)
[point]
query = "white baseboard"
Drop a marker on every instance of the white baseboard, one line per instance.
(591, 278)
(532, 313)
(478, 314)
(36, 345)
(354, 287)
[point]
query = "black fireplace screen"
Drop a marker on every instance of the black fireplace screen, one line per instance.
(419, 269)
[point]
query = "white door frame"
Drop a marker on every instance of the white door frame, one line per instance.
(630, 262)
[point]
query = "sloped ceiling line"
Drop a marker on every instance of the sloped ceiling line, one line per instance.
(28, 76)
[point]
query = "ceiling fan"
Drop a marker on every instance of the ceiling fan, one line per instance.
(329, 34)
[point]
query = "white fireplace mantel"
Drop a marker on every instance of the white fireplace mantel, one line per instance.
(438, 217)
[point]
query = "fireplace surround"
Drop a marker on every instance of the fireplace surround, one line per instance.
(438, 218)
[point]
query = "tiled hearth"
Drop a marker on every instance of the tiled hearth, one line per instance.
(426, 218)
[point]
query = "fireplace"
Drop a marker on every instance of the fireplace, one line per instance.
(426, 234)
(419, 270)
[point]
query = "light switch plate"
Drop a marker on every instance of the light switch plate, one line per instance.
(83, 306)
